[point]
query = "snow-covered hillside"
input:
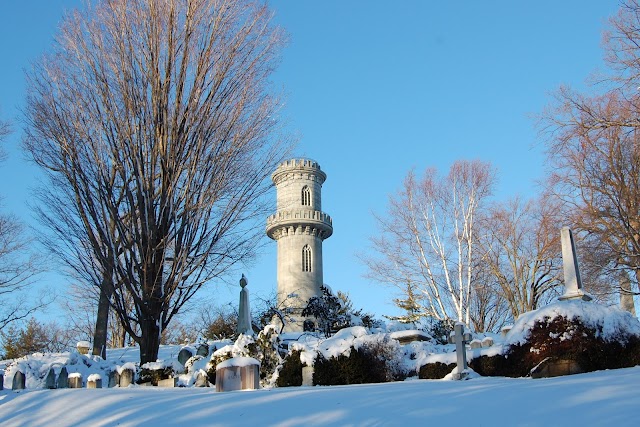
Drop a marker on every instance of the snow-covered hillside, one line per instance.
(599, 398)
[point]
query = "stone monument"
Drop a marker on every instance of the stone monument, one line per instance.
(572, 282)
(299, 227)
(460, 338)
(244, 313)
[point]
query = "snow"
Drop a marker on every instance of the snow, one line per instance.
(238, 361)
(595, 399)
(612, 320)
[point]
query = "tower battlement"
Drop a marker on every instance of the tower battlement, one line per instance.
(289, 169)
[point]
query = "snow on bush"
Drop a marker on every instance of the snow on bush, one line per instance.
(610, 323)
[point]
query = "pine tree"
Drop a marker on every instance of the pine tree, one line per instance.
(410, 305)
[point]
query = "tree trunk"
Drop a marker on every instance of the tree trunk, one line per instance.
(102, 321)
(149, 340)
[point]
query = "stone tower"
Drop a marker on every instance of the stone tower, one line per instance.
(299, 226)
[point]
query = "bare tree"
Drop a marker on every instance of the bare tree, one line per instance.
(429, 238)
(155, 121)
(521, 245)
(17, 266)
(594, 150)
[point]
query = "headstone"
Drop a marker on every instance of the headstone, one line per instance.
(572, 282)
(626, 296)
(505, 330)
(1, 380)
(168, 382)
(554, 367)
(461, 351)
(474, 344)
(50, 380)
(202, 350)
(126, 377)
(238, 373)
(307, 375)
(63, 378)
(94, 381)
(75, 380)
(19, 381)
(83, 347)
(487, 342)
(201, 379)
(244, 313)
(114, 378)
(184, 355)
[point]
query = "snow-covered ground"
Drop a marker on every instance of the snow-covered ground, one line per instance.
(599, 398)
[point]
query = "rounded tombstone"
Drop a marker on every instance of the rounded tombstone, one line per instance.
(203, 350)
(185, 354)
(19, 381)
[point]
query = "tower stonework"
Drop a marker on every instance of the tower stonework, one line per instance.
(299, 227)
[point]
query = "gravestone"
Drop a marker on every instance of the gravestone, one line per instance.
(75, 380)
(63, 378)
(168, 382)
(114, 378)
(201, 379)
(184, 355)
(572, 282)
(126, 377)
(1, 380)
(461, 338)
(487, 342)
(202, 350)
(238, 373)
(505, 330)
(474, 344)
(94, 381)
(50, 380)
(19, 381)
(83, 347)
(244, 313)
(555, 367)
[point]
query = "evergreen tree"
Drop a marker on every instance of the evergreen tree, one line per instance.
(410, 305)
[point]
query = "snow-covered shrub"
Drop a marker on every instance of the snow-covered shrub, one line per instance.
(188, 365)
(290, 374)
(435, 371)
(374, 361)
(155, 371)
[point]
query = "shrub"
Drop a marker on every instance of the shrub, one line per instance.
(373, 362)
(149, 372)
(435, 371)
(291, 371)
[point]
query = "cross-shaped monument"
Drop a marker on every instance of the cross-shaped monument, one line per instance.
(572, 283)
(460, 338)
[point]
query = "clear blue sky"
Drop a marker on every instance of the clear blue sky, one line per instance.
(375, 88)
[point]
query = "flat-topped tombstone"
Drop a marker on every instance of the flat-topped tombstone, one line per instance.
(168, 382)
(19, 381)
(83, 347)
(487, 342)
(307, 375)
(63, 378)
(75, 380)
(50, 380)
(238, 373)
(474, 344)
(94, 381)
(505, 330)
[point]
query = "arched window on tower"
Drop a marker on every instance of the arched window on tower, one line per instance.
(306, 258)
(306, 196)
